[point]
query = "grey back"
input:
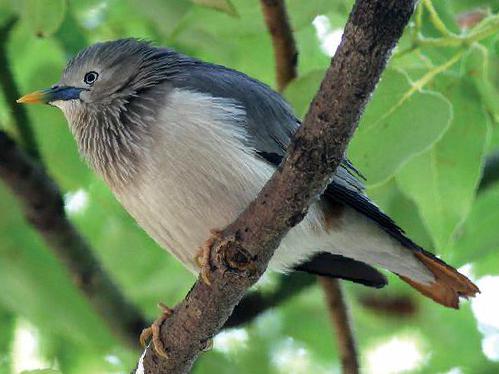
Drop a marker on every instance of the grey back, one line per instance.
(270, 120)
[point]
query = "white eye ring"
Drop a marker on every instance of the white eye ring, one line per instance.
(90, 77)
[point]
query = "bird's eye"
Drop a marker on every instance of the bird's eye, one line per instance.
(91, 77)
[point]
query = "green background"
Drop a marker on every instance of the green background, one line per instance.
(422, 144)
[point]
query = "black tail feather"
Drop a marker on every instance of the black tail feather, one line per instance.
(336, 266)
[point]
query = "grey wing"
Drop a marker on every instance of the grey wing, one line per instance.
(270, 120)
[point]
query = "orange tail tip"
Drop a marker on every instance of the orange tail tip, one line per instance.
(449, 284)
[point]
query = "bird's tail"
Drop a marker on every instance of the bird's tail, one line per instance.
(449, 284)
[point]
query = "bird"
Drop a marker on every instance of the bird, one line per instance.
(185, 145)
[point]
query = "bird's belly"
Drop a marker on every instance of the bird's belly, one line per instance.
(179, 210)
(199, 175)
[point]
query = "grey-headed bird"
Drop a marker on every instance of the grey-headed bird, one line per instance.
(186, 145)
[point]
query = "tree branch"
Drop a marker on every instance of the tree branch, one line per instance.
(286, 61)
(338, 314)
(240, 257)
(286, 56)
(19, 113)
(43, 207)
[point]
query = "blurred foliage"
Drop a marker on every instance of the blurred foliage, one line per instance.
(422, 144)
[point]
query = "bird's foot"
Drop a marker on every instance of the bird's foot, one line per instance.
(154, 331)
(204, 254)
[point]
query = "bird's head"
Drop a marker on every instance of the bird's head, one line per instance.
(110, 94)
(105, 74)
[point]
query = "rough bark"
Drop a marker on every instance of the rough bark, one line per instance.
(285, 53)
(43, 207)
(242, 254)
(286, 58)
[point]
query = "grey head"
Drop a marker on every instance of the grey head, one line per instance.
(110, 94)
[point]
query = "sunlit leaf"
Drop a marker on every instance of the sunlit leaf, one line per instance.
(478, 237)
(442, 181)
(301, 91)
(7, 326)
(165, 15)
(389, 197)
(476, 67)
(43, 17)
(398, 124)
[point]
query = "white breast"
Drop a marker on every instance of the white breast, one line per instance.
(199, 176)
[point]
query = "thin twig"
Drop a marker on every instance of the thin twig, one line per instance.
(242, 254)
(11, 92)
(286, 56)
(338, 314)
(43, 207)
(436, 20)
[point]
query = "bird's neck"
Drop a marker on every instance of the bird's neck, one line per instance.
(113, 140)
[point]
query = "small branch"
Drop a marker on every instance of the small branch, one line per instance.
(18, 112)
(256, 303)
(286, 56)
(43, 207)
(395, 306)
(436, 20)
(241, 256)
(338, 314)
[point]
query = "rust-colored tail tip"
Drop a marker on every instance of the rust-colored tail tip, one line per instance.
(449, 284)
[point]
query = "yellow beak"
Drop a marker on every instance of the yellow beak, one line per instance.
(36, 97)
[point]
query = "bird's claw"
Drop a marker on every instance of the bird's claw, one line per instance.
(154, 331)
(204, 254)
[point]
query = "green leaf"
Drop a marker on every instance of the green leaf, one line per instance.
(7, 327)
(400, 122)
(478, 238)
(166, 15)
(301, 91)
(443, 180)
(222, 5)
(43, 16)
(6, 11)
(39, 64)
(476, 67)
(37, 287)
(389, 197)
